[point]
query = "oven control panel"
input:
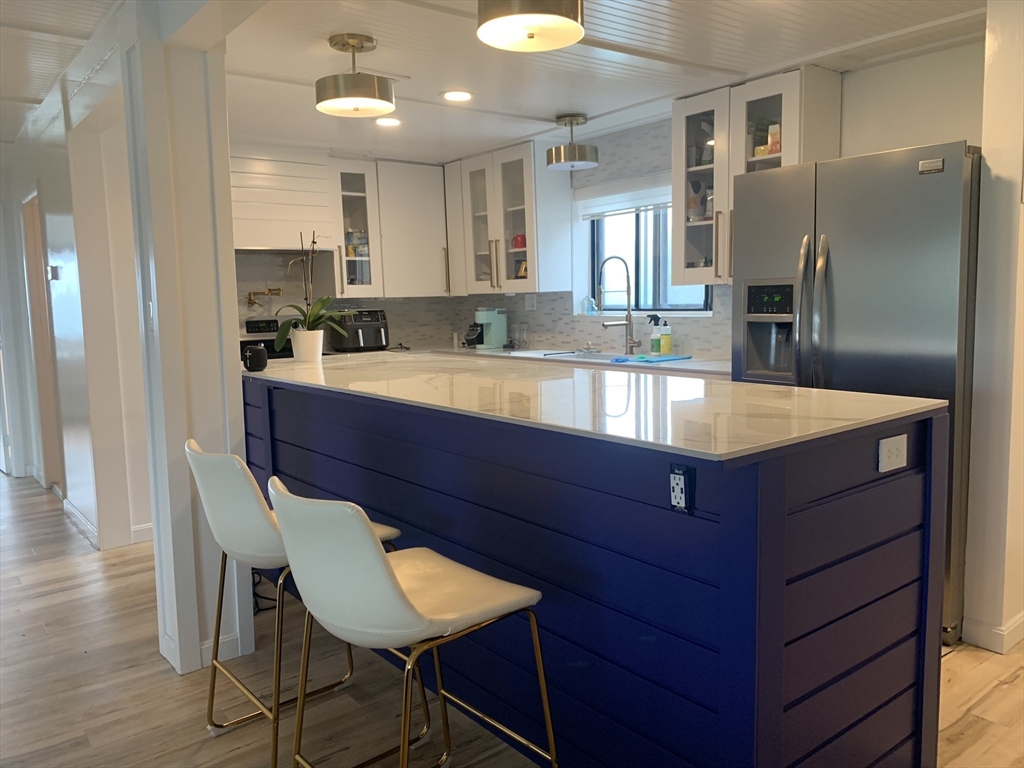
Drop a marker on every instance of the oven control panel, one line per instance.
(261, 326)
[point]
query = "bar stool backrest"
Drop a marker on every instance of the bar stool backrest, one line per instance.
(242, 523)
(342, 572)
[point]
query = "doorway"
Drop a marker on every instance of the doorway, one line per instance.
(51, 454)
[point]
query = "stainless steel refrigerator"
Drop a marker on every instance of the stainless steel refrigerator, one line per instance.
(859, 274)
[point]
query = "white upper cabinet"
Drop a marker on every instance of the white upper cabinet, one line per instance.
(277, 194)
(779, 120)
(414, 241)
(516, 219)
(453, 204)
(700, 188)
(358, 268)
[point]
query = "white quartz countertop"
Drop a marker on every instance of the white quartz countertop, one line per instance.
(687, 366)
(705, 418)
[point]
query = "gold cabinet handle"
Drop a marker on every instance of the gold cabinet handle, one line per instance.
(714, 236)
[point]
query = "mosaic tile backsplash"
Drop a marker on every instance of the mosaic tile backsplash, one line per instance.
(429, 323)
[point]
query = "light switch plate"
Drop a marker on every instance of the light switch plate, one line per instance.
(892, 453)
(531, 302)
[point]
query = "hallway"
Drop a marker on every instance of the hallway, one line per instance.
(83, 684)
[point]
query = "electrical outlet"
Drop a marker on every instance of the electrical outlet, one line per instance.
(892, 453)
(681, 481)
(531, 302)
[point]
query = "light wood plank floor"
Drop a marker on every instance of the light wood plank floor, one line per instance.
(82, 683)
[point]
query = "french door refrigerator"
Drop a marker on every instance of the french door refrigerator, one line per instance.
(859, 274)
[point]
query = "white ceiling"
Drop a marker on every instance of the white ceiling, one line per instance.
(38, 40)
(636, 57)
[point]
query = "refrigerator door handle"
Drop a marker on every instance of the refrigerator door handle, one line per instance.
(820, 267)
(798, 305)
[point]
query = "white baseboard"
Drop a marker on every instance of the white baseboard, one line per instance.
(142, 533)
(998, 639)
(84, 526)
(228, 649)
(57, 491)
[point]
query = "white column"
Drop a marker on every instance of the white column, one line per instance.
(176, 116)
(994, 584)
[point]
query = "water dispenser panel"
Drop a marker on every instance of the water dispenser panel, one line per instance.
(770, 299)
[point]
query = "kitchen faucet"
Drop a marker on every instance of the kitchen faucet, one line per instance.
(631, 343)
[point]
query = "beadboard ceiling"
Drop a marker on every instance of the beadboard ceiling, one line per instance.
(38, 40)
(637, 56)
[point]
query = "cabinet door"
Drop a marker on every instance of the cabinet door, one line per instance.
(700, 189)
(414, 246)
(480, 224)
(516, 248)
(354, 183)
(754, 108)
(453, 205)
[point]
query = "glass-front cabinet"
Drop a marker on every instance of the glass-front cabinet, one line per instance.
(765, 130)
(701, 189)
(498, 200)
(357, 258)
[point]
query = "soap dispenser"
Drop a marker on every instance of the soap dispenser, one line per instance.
(655, 320)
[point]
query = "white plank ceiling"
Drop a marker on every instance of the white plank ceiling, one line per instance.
(38, 40)
(636, 57)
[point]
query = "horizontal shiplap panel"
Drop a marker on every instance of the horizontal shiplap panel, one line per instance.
(274, 212)
(815, 601)
(873, 737)
(823, 655)
(819, 718)
(279, 197)
(829, 532)
(646, 651)
(823, 471)
(289, 183)
(278, 168)
(651, 594)
(283, 235)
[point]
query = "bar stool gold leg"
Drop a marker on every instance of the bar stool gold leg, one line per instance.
(443, 705)
(542, 680)
(300, 708)
(275, 710)
(410, 677)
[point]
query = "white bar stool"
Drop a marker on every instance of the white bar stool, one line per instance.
(411, 598)
(246, 530)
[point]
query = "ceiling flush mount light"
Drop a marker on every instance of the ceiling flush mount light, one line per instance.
(529, 25)
(388, 122)
(457, 95)
(572, 156)
(355, 94)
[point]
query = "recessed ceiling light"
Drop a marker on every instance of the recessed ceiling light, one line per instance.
(457, 95)
(388, 122)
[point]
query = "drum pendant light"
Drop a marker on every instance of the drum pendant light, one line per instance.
(355, 94)
(529, 25)
(572, 156)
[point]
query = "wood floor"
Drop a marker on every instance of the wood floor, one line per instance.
(82, 683)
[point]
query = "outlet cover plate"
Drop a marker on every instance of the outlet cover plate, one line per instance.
(681, 488)
(892, 453)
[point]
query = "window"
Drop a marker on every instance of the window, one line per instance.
(641, 237)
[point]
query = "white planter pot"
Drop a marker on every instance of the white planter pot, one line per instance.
(307, 346)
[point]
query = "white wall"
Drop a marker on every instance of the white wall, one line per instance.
(121, 238)
(923, 100)
(994, 585)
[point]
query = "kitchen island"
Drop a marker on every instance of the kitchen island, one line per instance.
(784, 610)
